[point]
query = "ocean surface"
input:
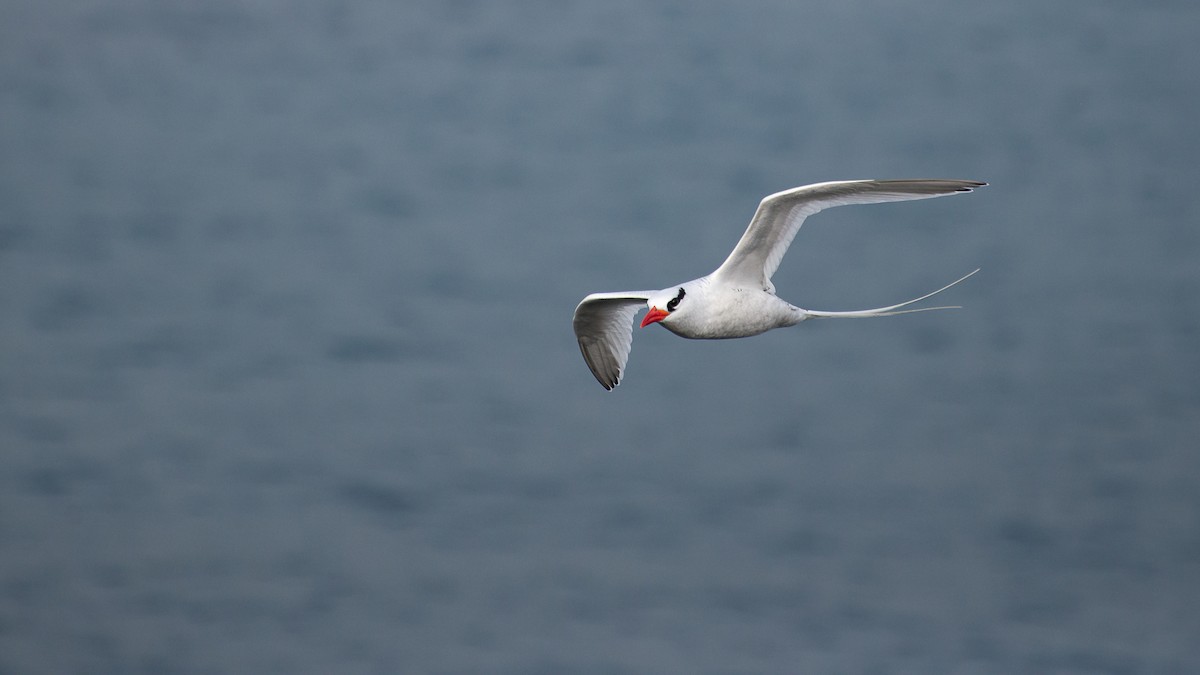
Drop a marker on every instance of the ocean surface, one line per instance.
(288, 382)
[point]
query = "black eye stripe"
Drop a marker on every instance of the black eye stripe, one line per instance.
(674, 302)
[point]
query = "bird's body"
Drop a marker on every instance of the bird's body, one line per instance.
(738, 298)
(734, 311)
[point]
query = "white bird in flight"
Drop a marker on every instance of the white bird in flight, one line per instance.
(738, 299)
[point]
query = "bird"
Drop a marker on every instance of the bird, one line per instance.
(738, 299)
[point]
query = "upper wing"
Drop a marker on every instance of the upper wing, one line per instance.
(604, 326)
(779, 216)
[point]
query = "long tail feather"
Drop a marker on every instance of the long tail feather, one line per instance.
(893, 309)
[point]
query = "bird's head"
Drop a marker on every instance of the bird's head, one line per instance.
(663, 305)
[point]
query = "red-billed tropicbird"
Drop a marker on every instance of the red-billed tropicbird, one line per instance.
(738, 299)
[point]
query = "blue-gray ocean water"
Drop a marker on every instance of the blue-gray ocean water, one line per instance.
(288, 382)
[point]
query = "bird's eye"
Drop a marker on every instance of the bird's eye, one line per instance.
(674, 302)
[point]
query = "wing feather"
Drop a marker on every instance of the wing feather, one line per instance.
(780, 215)
(603, 325)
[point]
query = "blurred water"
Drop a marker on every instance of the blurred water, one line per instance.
(288, 382)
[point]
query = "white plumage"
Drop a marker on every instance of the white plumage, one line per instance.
(738, 298)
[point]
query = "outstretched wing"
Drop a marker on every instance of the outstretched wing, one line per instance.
(779, 216)
(604, 326)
